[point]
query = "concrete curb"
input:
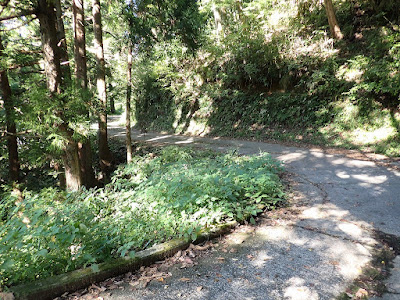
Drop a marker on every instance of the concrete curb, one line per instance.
(49, 288)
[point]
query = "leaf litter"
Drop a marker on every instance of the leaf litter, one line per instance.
(144, 276)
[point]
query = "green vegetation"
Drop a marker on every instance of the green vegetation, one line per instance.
(321, 72)
(168, 193)
(273, 72)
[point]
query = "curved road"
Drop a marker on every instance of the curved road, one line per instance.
(313, 250)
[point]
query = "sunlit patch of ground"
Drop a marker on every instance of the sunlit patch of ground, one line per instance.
(361, 136)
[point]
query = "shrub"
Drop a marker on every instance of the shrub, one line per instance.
(152, 200)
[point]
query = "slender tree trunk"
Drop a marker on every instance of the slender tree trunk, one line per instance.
(48, 33)
(217, 21)
(80, 43)
(128, 107)
(333, 22)
(62, 42)
(112, 105)
(84, 148)
(104, 151)
(65, 73)
(12, 145)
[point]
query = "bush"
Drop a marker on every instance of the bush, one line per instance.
(149, 201)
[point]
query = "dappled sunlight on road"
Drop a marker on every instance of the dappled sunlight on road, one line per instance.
(297, 290)
(323, 212)
(317, 253)
(350, 163)
(378, 179)
(290, 157)
(158, 138)
(187, 141)
(344, 257)
(336, 221)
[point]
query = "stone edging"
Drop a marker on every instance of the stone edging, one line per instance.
(49, 288)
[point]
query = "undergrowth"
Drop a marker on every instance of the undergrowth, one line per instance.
(173, 193)
(275, 73)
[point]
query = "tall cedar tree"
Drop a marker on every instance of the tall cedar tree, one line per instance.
(12, 144)
(84, 148)
(62, 42)
(104, 151)
(47, 20)
(128, 107)
(65, 67)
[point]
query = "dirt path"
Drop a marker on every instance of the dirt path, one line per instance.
(313, 250)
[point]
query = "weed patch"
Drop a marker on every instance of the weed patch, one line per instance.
(172, 193)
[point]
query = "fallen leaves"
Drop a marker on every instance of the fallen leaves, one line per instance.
(140, 280)
(334, 262)
(184, 279)
(361, 293)
(100, 289)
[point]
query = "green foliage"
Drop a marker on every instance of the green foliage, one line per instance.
(154, 20)
(273, 70)
(151, 200)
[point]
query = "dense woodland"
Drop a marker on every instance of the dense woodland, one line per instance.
(298, 71)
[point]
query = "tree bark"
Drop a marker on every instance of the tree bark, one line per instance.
(128, 107)
(84, 147)
(79, 41)
(104, 151)
(62, 42)
(12, 143)
(48, 33)
(112, 105)
(217, 21)
(333, 22)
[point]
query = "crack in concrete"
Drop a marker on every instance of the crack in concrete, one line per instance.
(313, 229)
(324, 194)
(393, 293)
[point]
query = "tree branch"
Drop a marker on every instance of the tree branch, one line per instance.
(28, 64)
(21, 25)
(26, 133)
(18, 15)
(113, 35)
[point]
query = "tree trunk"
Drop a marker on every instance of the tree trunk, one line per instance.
(62, 42)
(51, 54)
(112, 105)
(12, 145)
(128, 108)
(104, 151)
(65, 73)
(217, 21)
(48, 33)
(84, 148)
(333, 22)
(72, 163)
(79, 41)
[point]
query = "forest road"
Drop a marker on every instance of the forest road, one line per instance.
(312, 250)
